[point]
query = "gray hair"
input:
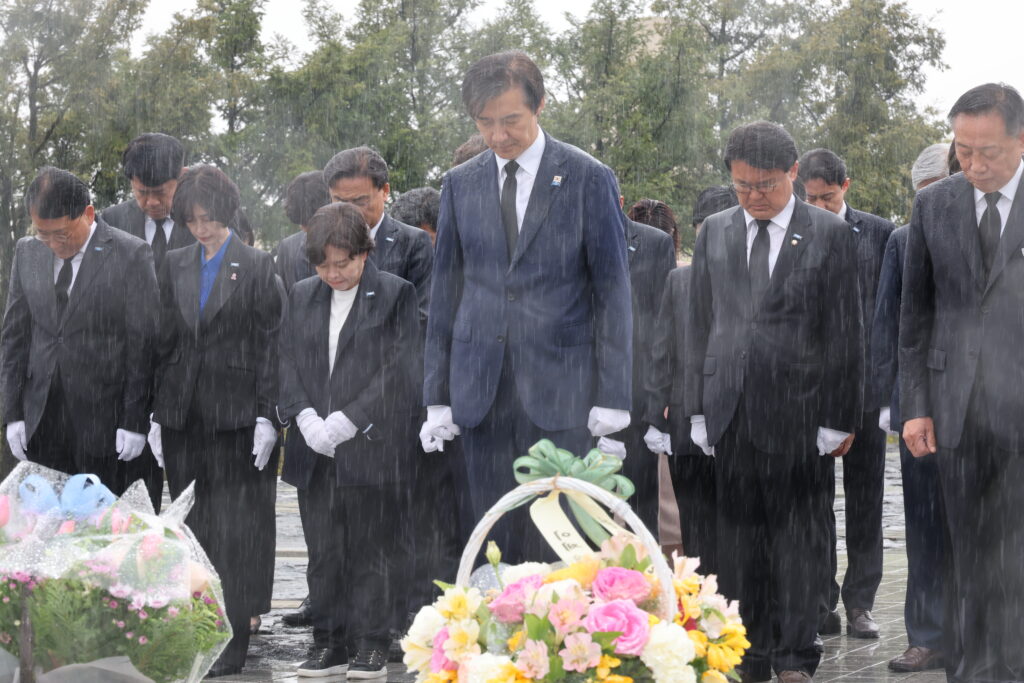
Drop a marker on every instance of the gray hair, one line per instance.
(930, 164)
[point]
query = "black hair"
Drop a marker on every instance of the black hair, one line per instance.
(417, 207)
(711, 200)
(656, 214)
(992, 97)
(495, 74)
(951, 159)
(153, 158)
(56, 193)
(358, 162)
(824, 165)
(209, 187)
(761, 144)
(340, 225)
(306, 193)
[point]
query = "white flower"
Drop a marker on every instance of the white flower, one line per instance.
(521, 571)
(567, 589)
(425, 626)
(483, 668)
(462, 640)
(685, 567)
(668, 654)
(417, 656)
(458, 603)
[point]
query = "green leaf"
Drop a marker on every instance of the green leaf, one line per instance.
(606, 639)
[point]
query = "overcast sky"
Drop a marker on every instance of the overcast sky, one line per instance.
(983, 37)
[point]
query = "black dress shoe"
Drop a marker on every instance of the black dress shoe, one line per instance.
(831, 625)
(860, 623)
(303, 616)
(221, 669)
(753, 675)
(819, 644)
(917, 658)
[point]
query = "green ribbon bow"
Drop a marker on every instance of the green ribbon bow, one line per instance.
(546, 460)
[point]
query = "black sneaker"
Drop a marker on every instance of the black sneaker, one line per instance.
(324, 662)
(369, 663)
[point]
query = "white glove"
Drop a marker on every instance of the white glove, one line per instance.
(699, 434)
(885, 421)
(605, 421)
(438, 428)
(156, 443)
(612, 447)
(129, 445)
(17, 439)
(263, 441)
(658, 441)
(829, 440)
(314, 431)
(339, 428)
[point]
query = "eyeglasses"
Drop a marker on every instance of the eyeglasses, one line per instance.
(767, 187)
(57, 236)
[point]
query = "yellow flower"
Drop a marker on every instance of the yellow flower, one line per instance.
(442, 676)
(509, 674)
(734, 636)
(689, 607)
(605, 666)
(515, 643)
(652, 620)
(700, 642)
(688, 586)
(462, 640)
(712, 676)
(618, 679)
(458, 603)
(584, 571)
(722, 658)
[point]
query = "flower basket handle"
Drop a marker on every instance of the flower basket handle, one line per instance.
(667, 602)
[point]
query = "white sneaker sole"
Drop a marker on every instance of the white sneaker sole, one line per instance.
(322, 673)
(359, 674)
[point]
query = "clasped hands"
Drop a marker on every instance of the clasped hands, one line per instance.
(264, 438)
(128, 444)
(324, 435)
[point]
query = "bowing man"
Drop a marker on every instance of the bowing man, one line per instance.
(78, 335)
(216, 392)
(351, 373)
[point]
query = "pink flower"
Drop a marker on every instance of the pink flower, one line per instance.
(113, 604)
(533, 660)
(5, 510)
(621, 616)
(172, 611)
(129, 635)
(150, 546)
(66, 527)
(438, 661)
(566, 615)
(119, 522)
(616, 583)
(143, 640)
(119, 590)
(510, 605)
(120, 624)
(580, 652)
(142, 614)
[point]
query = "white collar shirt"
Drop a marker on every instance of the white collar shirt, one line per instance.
(776, 232)
(1007, 192)
(374, 229)
(526, 174)
(341, 306)
(151, 229)
(76, 260)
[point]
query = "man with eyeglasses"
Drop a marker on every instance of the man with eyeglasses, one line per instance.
(961, 369)
(825, 180)
(78, 334)
(773, 382)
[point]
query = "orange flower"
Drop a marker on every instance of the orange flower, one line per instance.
(584, 571)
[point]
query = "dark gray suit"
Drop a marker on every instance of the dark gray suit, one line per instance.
(961, 364)
(98, 356)
(290, 260)
(405, 251)
(766, 378)
(129, 217)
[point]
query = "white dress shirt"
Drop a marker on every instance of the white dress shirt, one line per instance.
(529, 164)
(776, 232)
(1005, 201)
(341, 306)
(374, 229)
(151, 229)
(842, 211)
(76, 260)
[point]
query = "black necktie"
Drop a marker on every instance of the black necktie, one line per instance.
(759, 275)
(62, 286)
(990, 228)
(508, 207)
(159, 241)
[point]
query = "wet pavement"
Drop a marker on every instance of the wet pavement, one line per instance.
(276, 651)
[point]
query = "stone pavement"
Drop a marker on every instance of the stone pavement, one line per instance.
(276, 650)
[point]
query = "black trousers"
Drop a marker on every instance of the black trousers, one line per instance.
(489, 449)
(641, 467)
(358, 568)
(864, 485)
(770, 526)
(693, 481)
(54, 443)
(927, 556)
(231, 518)
(983, 497)
(145, 468)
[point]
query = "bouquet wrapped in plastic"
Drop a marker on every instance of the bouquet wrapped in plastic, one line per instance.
(87, 576)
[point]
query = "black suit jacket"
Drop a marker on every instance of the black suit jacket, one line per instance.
(958, 329)
(651, 258)
(291, 262)
(796, 360)
(885, 330)
(405, 251)
(102, 345)
(224, 359)
(870, 235)
(665, 379)
(129, 217)
(376, 383)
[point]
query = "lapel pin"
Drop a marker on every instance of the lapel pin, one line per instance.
(856, 229)
(98, 248)
(631, 248)
(390, 239)
(234, 276)
(234, 265)
(796, 239)
(556, 181)
(370, 294)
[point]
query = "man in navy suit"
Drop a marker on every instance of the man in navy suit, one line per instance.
(826, 184)
(529, 334)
